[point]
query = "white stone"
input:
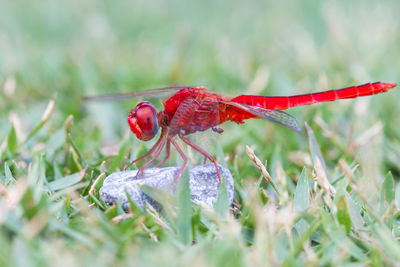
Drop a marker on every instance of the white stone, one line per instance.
(203, 180)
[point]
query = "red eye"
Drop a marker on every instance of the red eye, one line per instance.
(143, 121)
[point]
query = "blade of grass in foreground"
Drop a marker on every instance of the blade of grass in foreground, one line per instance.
(388, 188)
(8, 178)
(314, 147)
(184, 209)
(67, 181)
(12, 141)
(165, 199)
(221, 204)
(302, 193)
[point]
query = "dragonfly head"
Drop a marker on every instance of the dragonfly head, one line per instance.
(143, 121)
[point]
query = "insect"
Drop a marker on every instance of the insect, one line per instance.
(194, 109)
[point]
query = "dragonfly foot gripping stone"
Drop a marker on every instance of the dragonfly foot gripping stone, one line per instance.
(203, 181)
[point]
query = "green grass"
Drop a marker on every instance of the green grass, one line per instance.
(339, 197)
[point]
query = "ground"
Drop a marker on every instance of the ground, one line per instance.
(334, 197)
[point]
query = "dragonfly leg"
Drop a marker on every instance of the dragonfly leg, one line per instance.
(151, 151)
(157, 153)
(217, 130)
(182, 155)
(203, 152)
(205, 160)
(167, 151)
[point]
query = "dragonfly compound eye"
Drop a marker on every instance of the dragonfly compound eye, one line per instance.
(143, 121)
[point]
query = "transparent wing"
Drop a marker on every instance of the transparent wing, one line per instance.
(195, 115)
(276, 116)
(154, 93)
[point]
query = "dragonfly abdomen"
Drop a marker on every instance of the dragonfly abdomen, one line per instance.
(285, 102)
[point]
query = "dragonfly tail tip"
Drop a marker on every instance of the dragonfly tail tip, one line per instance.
(390, 85)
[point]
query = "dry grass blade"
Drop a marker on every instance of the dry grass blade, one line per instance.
(347, 171)
(9, 87)
(257, 162)
(322, 178)
(314, 147)
(260, 81)
(368, 135)
(120, 218)
(158, 219)
(49, 110)
(35, 225)
(52, 215)
(92, 188)
(10, 198)
(45, 117)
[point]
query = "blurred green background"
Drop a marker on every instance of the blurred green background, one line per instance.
(76, 48)
(262, 47)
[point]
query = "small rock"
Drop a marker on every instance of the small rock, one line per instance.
(203, 181)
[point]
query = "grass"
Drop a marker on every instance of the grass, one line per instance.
(339, 197)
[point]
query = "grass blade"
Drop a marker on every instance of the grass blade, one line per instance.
(388, 188)
(12, 141)
(184, 210)
(8, 178)
(302, 193)
(67, 181)
(221, 205)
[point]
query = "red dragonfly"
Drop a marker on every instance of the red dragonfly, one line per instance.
(193, 109)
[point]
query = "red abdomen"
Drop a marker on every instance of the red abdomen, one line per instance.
(285, 102)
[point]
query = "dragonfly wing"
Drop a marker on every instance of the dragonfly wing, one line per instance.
(197, 115)
(276, 116)
(154, 93)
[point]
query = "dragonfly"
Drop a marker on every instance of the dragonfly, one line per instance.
(195, 109)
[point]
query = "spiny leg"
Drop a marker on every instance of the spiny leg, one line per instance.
(151, 151)
(167, 151)
(203, 152)
(182, 155)
(157, 153)
(217, 129)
